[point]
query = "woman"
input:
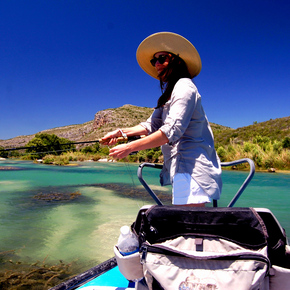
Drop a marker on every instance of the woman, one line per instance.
(178, 123)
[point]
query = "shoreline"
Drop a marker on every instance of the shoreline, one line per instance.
(107, 160)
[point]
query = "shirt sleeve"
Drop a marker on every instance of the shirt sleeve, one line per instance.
(179, 110)
(154, 122)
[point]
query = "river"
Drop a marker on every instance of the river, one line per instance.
(74, 213)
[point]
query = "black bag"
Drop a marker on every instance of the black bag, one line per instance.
(240, 225)
(213, 248)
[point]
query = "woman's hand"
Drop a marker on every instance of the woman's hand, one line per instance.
(111, 138)
(156, 139)
(120, 151)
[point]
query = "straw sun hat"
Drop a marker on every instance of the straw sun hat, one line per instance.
(169, 42)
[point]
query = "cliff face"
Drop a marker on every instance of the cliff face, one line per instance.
(102, 118)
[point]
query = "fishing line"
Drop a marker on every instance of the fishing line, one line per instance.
(127, 165)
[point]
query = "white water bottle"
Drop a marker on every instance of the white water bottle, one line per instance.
(128, 242)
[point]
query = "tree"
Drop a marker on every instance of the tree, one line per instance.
(286, 142)
(44, 143)
(3, 153)
(91, 149)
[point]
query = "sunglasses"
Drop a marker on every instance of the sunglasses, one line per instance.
(161, 59)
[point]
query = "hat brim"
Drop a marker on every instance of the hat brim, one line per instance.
(170, 42)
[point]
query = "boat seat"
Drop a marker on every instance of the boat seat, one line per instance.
(277, 240)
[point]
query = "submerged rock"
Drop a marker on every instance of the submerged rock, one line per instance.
(22, 275)
(9, 168)
(57, 196)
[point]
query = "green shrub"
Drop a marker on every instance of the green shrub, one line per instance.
(286, 142)
(285, 157)
(48, 159)
(104, 150)
(248, 147)
(221, 152)
(257, 157)
(133, 158)
(43, 143)
(87, 149)
(156, 156)
(231, 149)
(61, 160)
(277, 146)
(95, 157)
(269, 162)
(3, 153)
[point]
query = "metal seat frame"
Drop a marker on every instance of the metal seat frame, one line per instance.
(223, 164)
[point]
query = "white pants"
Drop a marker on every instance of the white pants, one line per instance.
(186, 190)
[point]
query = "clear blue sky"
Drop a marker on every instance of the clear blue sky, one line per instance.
(63, 61)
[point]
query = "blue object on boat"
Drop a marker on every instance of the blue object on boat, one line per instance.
(112, 278)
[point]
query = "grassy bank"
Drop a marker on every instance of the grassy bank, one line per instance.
(264, 152)
(265, 155)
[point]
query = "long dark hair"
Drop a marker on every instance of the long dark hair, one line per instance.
(175, 70)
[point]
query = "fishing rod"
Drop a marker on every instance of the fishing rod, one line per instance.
(119, 139)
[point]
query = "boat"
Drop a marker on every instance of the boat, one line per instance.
(108, 276)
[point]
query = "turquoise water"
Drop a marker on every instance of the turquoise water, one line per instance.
(86, 228)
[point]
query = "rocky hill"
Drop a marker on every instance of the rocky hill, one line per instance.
(129, 115)
(276, 129)
(103, 122)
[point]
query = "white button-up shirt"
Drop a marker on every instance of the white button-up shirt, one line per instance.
(191, 146)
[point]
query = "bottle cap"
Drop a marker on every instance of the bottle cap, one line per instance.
(125, 230)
